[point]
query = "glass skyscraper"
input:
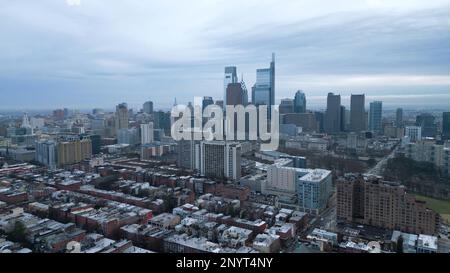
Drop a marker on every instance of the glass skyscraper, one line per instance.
(300, 102)
(357, 113)
(446, 125)
(263, 92)
(375, 115)
(332, 122)
(207, 101)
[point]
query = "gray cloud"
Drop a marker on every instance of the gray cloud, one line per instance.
(103, 52)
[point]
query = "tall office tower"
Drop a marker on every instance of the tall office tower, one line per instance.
(46, 153)
(230, 77)
(263, 92)
(286, 106)
(347, 119)
(148, 107)
(244, 92)
(343, 119)
(320, 118)
(221, 159)
(357, 113)
(414, 133)
(66, 113)
(58, 114)
(98, 126)
(207, 101)
(192, 109)
(235, 94)
(446, 126)
(375, 116)
(332, 121)
(300, 102)
(427, 123)
(399, 118)
(371, 201)
(147, 133)
(307, 121)
(73, 151)
(110, 127)
(161, 120)
(121, 116)
(96, 142)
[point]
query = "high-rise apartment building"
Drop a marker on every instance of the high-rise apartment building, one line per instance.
(73, 151)
(304, 189)
(428, 150)
(188, 154)
(46, 153)
(300, 102)
(147, 133)
(371, 201)
(128, 136)
(357, 113)
(121, 116)
(221, 159)
(414, 133)
(332, 121)
(375, 117)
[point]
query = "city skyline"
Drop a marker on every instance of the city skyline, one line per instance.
(92, 59)
(236, 129)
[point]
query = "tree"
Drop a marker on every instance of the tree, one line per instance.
(18, 233)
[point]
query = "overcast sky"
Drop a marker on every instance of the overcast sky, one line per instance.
(56, 53)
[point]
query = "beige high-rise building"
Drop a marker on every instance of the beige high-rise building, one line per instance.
(371, 201)
(74, 151)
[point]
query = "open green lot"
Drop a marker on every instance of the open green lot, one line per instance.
(440, 206)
